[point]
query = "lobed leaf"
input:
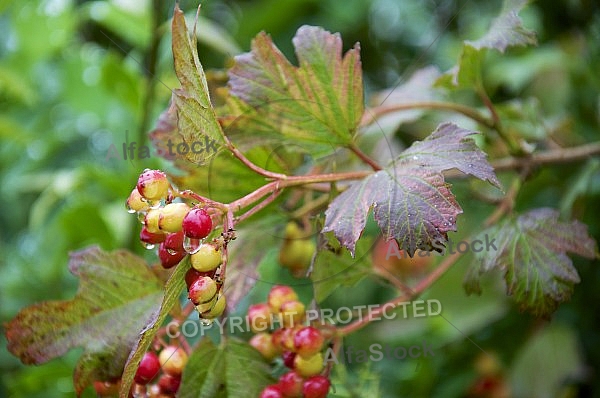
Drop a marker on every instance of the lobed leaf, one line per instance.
(319, 103)
(411, 201)
(117, 297)
(532, 256)
(232, 369)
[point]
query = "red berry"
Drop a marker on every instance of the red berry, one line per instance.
(174, 242)
(259, 317)
(288, 359)
(316, 387)
(308, 341)
(148, 369)
(169, 384)
(197, 224)
(151, 238)
(203, 290)
(278, 295)
(153, 184)
(168, 260)
(271, 392)
(193, 275)
(291, 384)
(263, 343)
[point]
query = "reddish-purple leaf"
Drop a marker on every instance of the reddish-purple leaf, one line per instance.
(531, 254)
(411, 201)
(116, 299)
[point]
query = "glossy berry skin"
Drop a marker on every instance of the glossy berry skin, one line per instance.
(203, 290)
(169, 384)
(310, 366)
(216, 310)
(263, 343)
(153, 184)
(151, 238)
(292, 313)
(172, 360)
(308, 341)
(284, 338)
(148, 369)
(168, 260)
(207, 258)
(289, 358)
(259, 317)
(193, 275)
(197, 224)
(151, 221)
(174, 242)
(171, 217)
(135, 201)
(291, 384)
(271, 392)
(278, 295)
(316, 387)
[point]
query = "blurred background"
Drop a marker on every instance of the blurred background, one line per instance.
(79, 76)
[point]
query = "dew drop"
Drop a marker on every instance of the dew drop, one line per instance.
(206, 322)
(191, 245)
(148, 246)
(470, 165)
(129, 209)
(415, 158)
(141, 216)
(171, 251)
(154, 204)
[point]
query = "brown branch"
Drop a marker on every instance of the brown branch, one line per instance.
(363, 156)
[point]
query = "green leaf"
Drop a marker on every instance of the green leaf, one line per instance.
(466, 74)
(196, 118)
(507, 29)
(532, 258)
(318, 104)
(232, 369)
(411, 201)
(171, 296)
(117, 297)
(334, 267)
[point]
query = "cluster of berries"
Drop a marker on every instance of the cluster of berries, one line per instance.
(157, 376)
(299, 346)
(180, 230)
(296, 250)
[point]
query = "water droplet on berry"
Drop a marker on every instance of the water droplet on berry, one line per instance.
(206, 322)
(154, 204)
(141, 216)
(191, 245)
(129, 209)
(171, 251)
(148, 246)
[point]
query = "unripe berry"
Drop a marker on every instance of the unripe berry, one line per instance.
(263, 343)
(151, 238)
(207, 258)
(169, 384)
(153, 185)
(278, 295)
(309, 366)
(148, 369)
(168, 260)
(217, 310)
(271, 392)
(291, 384)
(135, 202)
(316, 387)
(284, 338)
(172, 360)
(292, 313)
(197, 224)
(203, 290)
(308, 341)
(259, 317)
(192, 275)
(151, 220)
(171, 217)
(174, 242)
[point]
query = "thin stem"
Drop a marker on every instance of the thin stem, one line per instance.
(257, 169)
(513, 146)
(374, 113)
(552, 156)
(363, 156)
(311, 206)
(259, 206)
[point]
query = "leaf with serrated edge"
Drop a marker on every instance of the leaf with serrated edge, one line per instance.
(170, 297)
(117, 297)
(320, 102)
(196, 118)
(532, 257)
(411, 201)
(507, 29)
(232, 369)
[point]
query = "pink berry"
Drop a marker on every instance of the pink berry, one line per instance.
(151, 238)
(148, 369)
(192, 275)
(197, 224)
(271, 392)
(203, 290)
(316, 387)
(153, 184)
(308, 341)
(168, 260)
(291, 384)
(174, 242)
(169, 384)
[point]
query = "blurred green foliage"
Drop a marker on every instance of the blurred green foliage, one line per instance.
(78, 76)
